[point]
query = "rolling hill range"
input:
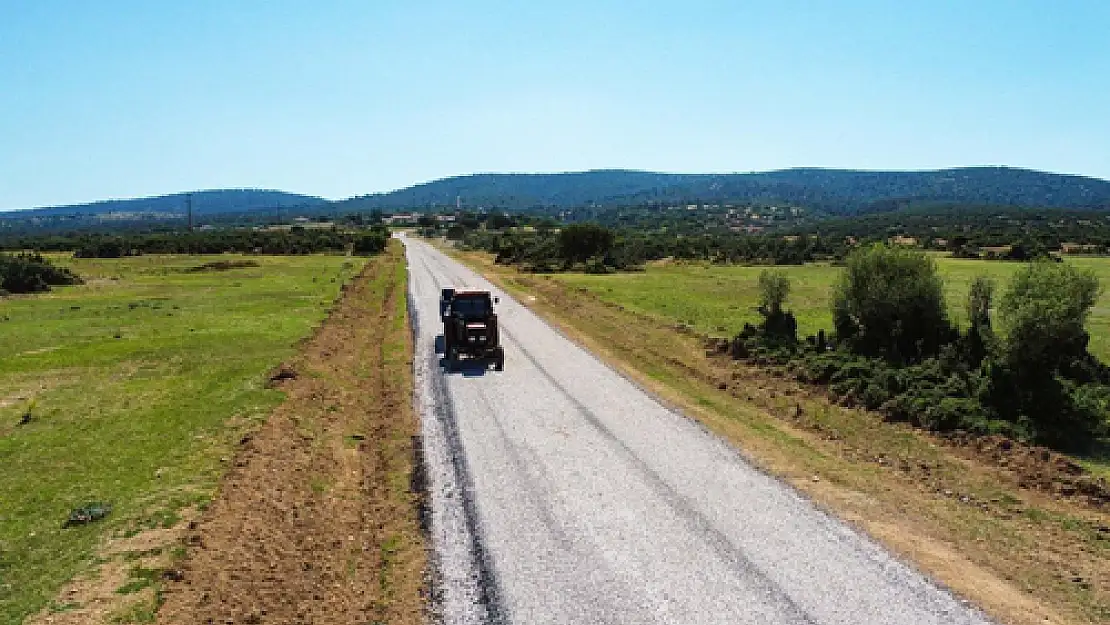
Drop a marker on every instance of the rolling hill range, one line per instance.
(831, 191)
(841, 192)
(204, 203)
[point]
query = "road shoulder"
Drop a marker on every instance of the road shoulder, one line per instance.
(317, 519)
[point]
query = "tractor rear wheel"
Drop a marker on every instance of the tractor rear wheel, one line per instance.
(450, 352)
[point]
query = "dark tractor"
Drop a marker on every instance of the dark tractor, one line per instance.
(470, 327)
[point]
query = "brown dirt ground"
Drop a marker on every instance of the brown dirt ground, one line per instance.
(1027, 553)
(316, 521)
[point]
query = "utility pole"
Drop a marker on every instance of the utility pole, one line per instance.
(189, 209)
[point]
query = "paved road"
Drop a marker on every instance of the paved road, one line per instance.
(562, 493)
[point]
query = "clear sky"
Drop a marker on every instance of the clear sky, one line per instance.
(122, 99)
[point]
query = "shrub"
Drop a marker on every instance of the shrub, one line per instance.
(31, 273)
(371, 242)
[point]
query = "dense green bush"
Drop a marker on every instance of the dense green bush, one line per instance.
(31, 273)
(1044, 313)
(371, 242)
(296, 240)
(889, 303)
(579, 243)
(1047, 378)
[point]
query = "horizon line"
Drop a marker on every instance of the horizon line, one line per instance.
(551, 173)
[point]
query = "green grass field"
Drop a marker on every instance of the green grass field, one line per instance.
(719, 299)
(139, 384)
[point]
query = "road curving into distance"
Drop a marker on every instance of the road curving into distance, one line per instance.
(560, 492)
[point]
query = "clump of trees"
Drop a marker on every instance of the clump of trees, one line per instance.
(894, 350)
(31, 273)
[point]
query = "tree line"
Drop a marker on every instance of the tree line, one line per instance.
(295, 240)
(978, 231)
(597, 249)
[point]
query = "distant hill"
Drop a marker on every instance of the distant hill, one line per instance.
(832, 191)
(204, 203)
(835, 191)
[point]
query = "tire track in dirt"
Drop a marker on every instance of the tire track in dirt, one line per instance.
(317, 521)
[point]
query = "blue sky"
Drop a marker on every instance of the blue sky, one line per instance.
(123, 99)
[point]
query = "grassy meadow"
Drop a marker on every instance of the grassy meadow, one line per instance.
(138, 384)
(719, 299)
(1025, 557)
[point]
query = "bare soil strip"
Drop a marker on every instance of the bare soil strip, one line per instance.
(1027, 555)
(317, 520)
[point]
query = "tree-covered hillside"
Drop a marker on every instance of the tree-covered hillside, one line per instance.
(841, 192)
(819, 191)
(204, 203)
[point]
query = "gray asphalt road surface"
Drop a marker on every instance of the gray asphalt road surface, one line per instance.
(562, 493)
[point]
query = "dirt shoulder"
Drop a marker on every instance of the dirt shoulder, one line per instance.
(316, 521)
(1025, 555)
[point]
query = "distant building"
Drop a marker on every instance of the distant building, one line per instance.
(401, 219)
(1079, 248)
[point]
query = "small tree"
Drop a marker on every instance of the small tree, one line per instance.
(774, 287)
(580, 242)
(980, 335)
(779, 326)
(889, 302)
(979, 299)
(1044, 313)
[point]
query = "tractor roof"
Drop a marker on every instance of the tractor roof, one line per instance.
(471, 293)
